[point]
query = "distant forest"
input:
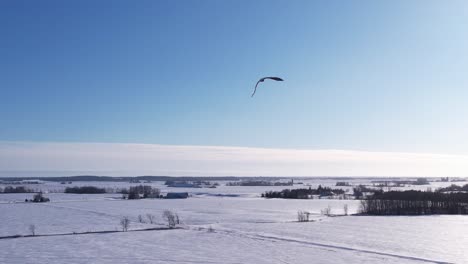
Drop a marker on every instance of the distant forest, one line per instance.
(259, 183)
(302, 193)
(17, 189)
(454, 188)
(415, 203)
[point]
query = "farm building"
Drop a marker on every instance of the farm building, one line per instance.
(177, 195)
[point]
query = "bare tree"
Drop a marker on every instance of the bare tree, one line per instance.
(345, 209)
(327, 211)
(32, 230)
(303, 216)
(363, 207)
(151, 218)
(300, 216)
(155, 193)
(171, 218)
(125, 223)
(140, 219)
(177, 219)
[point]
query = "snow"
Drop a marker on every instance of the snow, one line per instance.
(174, 246)
(247, 229)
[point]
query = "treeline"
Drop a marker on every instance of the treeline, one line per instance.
(302, 193)
(259, 183)
(38, 198)
(360, 191)
(85, 190)
(18, 189)
(141, 191)
(454, 188)
(396, 183)
(342, 183)
(415, 203)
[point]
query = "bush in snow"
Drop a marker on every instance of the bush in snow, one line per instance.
(327, 211)
(171, 218)
(125, 223)
(151, 218)
(39, 198)
(303, 216)
(32, 230)
(140, 219)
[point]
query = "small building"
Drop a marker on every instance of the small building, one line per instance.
(177, 195)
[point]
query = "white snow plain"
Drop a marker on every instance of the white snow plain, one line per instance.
(218, 229)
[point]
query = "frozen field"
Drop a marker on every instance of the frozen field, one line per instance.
(247, 229)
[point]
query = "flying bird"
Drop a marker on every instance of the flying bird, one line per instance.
(263, 79)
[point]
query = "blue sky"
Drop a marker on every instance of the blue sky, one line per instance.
(359, 75)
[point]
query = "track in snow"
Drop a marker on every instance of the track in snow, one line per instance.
(328, 246)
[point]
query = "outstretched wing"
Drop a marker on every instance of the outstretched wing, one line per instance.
(274, 78)
(261, 80)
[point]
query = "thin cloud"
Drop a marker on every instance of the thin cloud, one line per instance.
(121, 159)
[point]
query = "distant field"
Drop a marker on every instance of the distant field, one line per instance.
(247, 229)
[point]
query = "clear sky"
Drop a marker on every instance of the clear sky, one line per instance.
(385, 76)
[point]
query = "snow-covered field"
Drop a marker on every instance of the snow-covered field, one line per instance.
(253, 191)
(247, 229)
